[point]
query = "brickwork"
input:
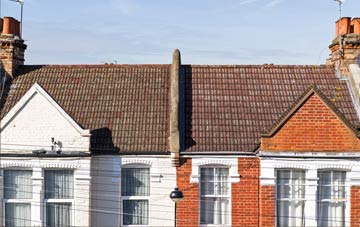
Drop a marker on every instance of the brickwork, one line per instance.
(267, 206)
(355, 206)
(11, 53)
(244, 195)
(314, 127)
(187, 210)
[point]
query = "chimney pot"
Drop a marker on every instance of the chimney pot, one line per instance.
(343, 26)
(11, 26)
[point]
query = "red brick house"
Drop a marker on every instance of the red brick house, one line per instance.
(248, 145)
(271, 145)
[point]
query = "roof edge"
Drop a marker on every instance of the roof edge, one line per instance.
(310, 91)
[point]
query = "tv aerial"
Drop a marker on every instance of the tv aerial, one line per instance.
(21, 3)
(338, 1)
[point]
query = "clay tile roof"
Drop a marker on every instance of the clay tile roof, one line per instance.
(228, 107)
(124, 106)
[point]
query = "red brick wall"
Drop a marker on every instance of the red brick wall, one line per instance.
(355, 206)
(314, 127)
(244, 197)
(267, 206)
(187, 210)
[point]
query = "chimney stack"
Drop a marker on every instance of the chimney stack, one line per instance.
(345, 48)
(12, 47)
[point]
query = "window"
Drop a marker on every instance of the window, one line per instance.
(59, 194)
(214, 196)
(331, 198)
(135, 192)
(17, 197)
(290, 194)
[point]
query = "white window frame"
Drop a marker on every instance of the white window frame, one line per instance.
(22, 201)
(290, 193)
(216, 196)
(346, 196)
(52, 201)
(123, 198)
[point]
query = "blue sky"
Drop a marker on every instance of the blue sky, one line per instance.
(205, 31)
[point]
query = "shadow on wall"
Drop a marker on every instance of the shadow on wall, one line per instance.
(102, 142)
(186, 108)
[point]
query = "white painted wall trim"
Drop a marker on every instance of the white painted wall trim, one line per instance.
(232, 163)
(37, 89)
(134, 161)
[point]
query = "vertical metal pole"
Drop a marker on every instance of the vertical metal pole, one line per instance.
(21, 19)
(175, 216)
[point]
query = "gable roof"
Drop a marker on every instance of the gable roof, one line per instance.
(227, 107)
(312, 90)
(37, 89)
(124, 106)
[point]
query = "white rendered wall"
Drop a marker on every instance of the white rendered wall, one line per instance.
(106, 189)
(33, 126)
(311, 167)
(82, 180)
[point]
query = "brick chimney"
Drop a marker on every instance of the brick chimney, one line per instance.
(12, 47)
(345, 48)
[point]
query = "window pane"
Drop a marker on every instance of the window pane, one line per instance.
(214, 211)
(221, 186)
(135, 182)
(290, 186)
(17, 184)
(17, 214)
(136, 212)
(207, 181)
(331, 195)
(58, 214)
(59, 184)
(283, 184)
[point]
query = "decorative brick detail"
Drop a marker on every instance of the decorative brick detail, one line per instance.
(355, 206)
(267, 206)
(313, 127)
(244, 195)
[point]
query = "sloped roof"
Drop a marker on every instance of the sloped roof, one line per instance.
(124, 106)
(228, 107)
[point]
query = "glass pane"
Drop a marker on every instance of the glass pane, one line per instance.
(283, 184)
(214, 211)
(290, 192)
(298, 184)
(283, 213)
(331, 193)
(290, 213)
(17, 184)
(58, 214)
(135, 212)
(17, 214)
(135, 182)
(59, 184)
(221, 186)
(207, 181)
(331, 214)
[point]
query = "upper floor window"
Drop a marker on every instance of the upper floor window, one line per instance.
(214, 196)
(59, 194)
(17, 197)
(135, 192)
(290, 195)
(331, 198)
